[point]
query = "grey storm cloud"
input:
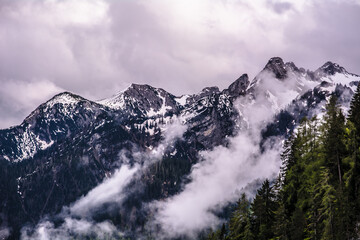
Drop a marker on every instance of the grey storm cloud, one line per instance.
(97, 48)
(280, 7)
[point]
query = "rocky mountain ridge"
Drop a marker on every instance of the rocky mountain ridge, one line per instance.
(69, 144)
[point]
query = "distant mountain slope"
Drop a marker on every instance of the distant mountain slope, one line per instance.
(69, 144)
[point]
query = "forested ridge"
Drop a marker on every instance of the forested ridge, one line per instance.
(317, 194)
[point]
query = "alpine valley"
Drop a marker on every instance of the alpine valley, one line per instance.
(82, 169)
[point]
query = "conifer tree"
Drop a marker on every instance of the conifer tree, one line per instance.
(287, 156)
(298, 224)
(292, 177)
(333, 137)
(317, 195)
(326, 192)
(353, 176)
(263, 207)
(281, 224)
(354, 111)
(354, 135)
(240, 222)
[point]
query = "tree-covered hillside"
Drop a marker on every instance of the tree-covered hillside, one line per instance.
(317, 194)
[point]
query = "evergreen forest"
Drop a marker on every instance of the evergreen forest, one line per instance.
(317, 193)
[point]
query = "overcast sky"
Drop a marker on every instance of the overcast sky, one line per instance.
(97, 48)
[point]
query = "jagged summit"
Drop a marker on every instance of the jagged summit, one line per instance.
(142, 100)
(136, 90)
(238, 88)
(290, 66)
(279, 69)
(69, 144)
(331, 68)
(277, 66)
(64, 98)
(141, 88)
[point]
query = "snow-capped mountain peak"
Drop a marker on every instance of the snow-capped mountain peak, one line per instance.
(73, 143)
(142, 100)
(65, 98)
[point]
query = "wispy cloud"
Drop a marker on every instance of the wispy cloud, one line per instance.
(70, 228)
(110, 190)
(78, 217)
(4, 233)
(225, 172)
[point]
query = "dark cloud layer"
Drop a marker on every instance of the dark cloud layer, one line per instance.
(96, 48)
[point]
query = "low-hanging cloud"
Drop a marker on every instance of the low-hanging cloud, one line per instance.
(110, 190)
(226, 171)
(4, 233)
(78, 217)
(70, 228)
(214, 184)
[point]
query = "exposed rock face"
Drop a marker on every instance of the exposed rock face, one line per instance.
(331, 68)
(238, 88)
(69, 144)
(276, 65)
(51, 122)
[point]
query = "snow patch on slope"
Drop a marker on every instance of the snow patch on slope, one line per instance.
(29, 145)
(182, 100)
(64, 98)
(163, 109)
(115, 102)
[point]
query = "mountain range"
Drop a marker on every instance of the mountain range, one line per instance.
(69, 145)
